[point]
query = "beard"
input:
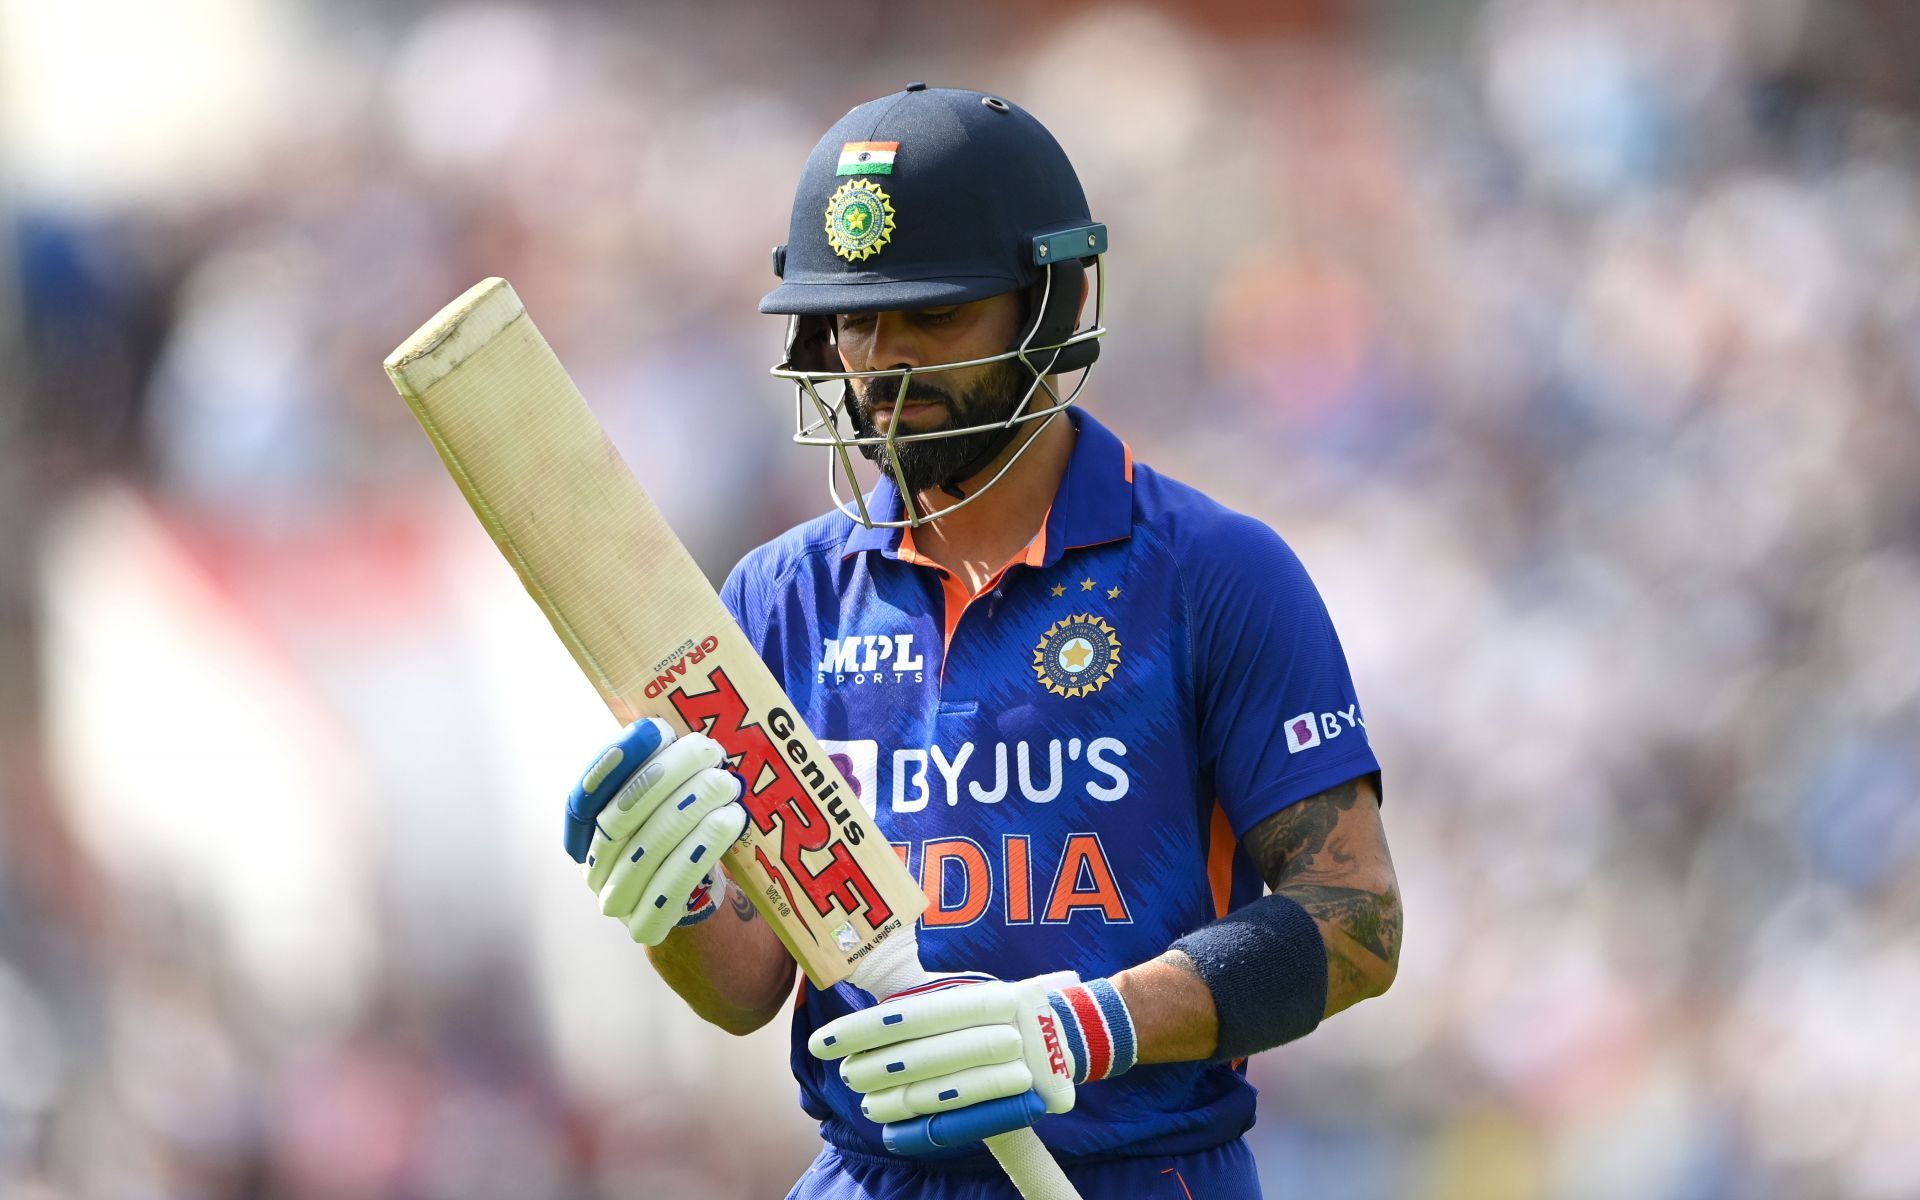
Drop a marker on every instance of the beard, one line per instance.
(935, 462)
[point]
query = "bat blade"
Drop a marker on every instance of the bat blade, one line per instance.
(644, 623)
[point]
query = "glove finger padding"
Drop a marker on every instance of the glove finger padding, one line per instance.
(915, 1016)
(634, 746)
(974, 1085)
(665, 776)
(963, 1126)
(641, 856)
(950, 1046)
(931, 1057)
(664, 901)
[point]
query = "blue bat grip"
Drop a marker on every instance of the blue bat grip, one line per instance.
(963, 1126)
(637, 743)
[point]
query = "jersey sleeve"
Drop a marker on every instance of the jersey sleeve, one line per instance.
(1279, 719)
(746, 595)
(733, 594)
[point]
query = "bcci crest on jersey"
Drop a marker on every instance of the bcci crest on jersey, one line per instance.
(1077, 655)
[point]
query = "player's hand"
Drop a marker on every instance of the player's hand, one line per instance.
(969, 1057)
(648, 824)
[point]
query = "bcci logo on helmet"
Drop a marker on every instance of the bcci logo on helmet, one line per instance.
(1077, 655)
(859, 220)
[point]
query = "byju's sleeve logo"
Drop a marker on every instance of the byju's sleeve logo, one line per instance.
(1309, 729)
(1303, 732)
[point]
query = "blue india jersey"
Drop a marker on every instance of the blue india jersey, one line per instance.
(1067, 759)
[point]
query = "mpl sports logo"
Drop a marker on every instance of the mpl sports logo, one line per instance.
(1309, 729)
(871, 658)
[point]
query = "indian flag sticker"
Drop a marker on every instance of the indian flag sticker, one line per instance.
(867, 158)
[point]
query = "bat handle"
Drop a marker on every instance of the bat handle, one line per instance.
(893, 967)
(1023, 1156)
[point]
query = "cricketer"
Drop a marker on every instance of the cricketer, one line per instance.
(1106, 720)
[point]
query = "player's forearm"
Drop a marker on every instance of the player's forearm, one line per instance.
(1172, 1010)
(730, 969)
(1328, 854)
(1361, 930)
(1174, 1018)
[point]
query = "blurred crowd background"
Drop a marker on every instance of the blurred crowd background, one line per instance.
(1575, 344)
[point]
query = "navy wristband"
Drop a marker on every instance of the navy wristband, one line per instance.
(1266, 966)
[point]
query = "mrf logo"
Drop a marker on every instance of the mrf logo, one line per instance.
(1056, 1057)
(1309, 729)
(790, 798)
(871, 658)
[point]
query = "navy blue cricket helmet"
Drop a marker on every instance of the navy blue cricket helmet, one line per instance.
(926, 198)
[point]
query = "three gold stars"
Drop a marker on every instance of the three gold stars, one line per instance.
(1087, 585)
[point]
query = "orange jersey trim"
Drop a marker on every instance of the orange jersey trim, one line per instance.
(1220, 847)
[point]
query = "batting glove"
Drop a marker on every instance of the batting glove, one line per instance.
(648, 824)
(967, 1057)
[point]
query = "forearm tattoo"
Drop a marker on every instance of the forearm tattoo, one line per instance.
(1330, 857)
(742, 906)
(1178, 960)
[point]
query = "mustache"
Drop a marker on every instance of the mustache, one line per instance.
(917, 394)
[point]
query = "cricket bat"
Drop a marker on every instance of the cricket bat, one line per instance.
(643, 622)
